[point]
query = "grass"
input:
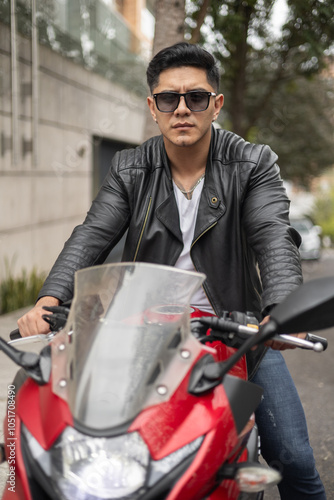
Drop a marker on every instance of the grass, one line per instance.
(19, 291)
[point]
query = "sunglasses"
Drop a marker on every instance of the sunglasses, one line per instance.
(196, 100)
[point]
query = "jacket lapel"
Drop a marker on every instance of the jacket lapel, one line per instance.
(168, 214)
(211, 206)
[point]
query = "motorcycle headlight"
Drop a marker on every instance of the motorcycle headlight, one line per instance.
(92, 468)
(89, 467)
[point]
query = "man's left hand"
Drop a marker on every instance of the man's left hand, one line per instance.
(281, 346)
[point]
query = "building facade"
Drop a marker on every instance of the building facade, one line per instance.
(72, 93)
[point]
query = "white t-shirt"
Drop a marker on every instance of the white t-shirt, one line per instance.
(188, 213)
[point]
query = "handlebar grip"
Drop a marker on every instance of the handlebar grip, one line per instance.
(315, 339)
(15, 334)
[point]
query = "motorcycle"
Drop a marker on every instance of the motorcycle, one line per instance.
(132, 398)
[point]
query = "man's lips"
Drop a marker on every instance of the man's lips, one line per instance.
(183, 125)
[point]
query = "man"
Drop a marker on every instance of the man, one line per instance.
(204, 199)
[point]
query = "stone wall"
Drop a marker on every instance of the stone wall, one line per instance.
(47, 171)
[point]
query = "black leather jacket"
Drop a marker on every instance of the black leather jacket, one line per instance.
(243, 241)
(242, 219)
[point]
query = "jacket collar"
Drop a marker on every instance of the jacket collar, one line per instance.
(211, 207)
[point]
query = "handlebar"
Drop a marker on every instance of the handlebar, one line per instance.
(311, 342)
(16, 338)
(238, 332)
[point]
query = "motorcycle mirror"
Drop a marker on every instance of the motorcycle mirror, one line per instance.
(310, 307)
(37, 366)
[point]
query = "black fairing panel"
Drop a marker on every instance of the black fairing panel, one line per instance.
(244, 397)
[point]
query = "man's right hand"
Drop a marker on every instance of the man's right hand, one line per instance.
(32, 322)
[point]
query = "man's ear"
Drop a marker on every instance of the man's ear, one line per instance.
(150, 102)
(219, 102)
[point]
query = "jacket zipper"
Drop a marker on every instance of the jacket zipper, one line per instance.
(198, 237)
(194, 263)
(143, 228)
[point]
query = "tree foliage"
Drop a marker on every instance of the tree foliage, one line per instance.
(274, 87)
(299, 128)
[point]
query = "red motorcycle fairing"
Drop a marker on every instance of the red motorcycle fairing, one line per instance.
(198, 480)
(46, 416)
(222, 350)
(183, 418)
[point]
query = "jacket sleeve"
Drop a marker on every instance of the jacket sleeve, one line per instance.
(91, 242)
(268, 231)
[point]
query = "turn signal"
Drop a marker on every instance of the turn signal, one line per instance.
(253, 478)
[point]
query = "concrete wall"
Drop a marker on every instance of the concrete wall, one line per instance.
(43, 195)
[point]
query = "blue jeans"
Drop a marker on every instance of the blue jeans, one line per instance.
(282, 427)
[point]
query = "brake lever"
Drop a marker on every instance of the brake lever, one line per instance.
(311, 342)
(31, 339)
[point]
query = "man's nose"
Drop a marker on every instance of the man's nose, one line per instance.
(182, 106)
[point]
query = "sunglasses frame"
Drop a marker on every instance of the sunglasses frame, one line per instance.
(209, 94)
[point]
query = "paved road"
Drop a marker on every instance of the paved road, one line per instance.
(314, 377)
(313, 374)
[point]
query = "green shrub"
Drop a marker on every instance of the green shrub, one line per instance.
(21, 291)
(323, 214)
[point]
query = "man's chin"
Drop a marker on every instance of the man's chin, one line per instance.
(180, 142)
(185, 140)
(184, 143)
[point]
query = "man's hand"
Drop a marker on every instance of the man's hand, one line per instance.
(281, 346)
(32, 322)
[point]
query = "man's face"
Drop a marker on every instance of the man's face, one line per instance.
(184, 127)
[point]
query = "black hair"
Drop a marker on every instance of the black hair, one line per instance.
(182, 54)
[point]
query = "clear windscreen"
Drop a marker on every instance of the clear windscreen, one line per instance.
(129, 322)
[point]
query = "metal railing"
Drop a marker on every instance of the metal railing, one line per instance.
(87, 32)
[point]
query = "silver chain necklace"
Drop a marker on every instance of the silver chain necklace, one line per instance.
(186, 193)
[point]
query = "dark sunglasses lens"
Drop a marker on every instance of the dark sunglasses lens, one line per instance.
(167, 101)
(197, 101)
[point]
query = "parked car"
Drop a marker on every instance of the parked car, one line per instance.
(310, 248)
